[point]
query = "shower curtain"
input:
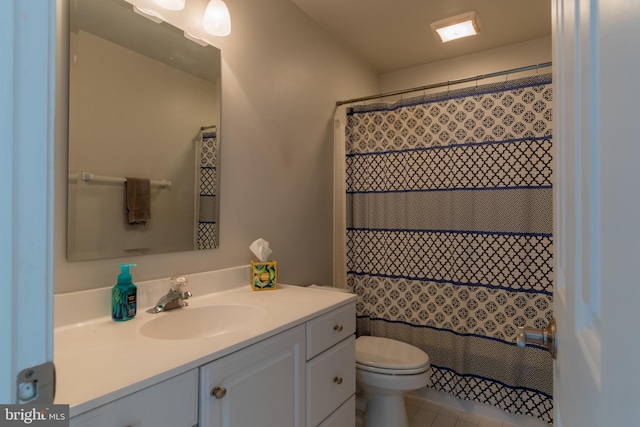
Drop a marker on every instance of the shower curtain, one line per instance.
(449, 234)
(207, 182)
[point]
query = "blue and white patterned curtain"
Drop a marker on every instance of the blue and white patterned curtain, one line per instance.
(449, 234)
(207, 159)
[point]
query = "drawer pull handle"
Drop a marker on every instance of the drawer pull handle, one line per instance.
(337, 380)
(338, 328)
(218, 392)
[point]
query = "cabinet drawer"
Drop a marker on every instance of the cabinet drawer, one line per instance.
(331, 380)
(345, 416)
(330, 328)
(170, 403)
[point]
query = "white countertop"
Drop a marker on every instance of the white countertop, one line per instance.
(99, 360)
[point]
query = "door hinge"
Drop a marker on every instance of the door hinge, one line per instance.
(37, 384)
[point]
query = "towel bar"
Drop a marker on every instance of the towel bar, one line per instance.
(88, 176)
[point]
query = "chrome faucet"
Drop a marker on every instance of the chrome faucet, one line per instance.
(175, 298)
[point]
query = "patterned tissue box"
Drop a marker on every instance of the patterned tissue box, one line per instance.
(264, 275)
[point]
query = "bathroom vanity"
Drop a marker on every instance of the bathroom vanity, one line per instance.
(233, 357)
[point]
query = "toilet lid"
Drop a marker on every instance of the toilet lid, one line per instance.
(386, 353)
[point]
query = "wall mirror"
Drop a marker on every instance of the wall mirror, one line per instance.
(144, 102)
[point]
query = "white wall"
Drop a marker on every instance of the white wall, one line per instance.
(281, 77)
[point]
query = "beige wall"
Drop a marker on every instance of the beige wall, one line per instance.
(281, 76)
(531, 52)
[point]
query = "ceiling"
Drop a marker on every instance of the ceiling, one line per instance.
(392, 35)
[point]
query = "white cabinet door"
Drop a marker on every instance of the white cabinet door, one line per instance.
(261, 385)
(170, 403)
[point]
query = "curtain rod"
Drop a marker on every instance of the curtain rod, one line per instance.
(447, 83)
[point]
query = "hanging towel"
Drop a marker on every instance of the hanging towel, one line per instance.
(138, 200)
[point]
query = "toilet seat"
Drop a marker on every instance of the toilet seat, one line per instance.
(391, 357)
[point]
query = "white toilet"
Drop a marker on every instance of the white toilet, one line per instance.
(385, 370)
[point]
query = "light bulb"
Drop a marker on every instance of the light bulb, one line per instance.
(217, 21)
(170, 4)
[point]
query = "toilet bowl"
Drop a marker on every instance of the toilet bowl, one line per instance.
(385, 370)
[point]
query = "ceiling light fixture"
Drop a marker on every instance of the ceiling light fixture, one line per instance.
(217, 21)
(170, 4)
(456, 27)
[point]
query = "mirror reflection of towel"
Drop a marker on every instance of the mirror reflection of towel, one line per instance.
(138, 200)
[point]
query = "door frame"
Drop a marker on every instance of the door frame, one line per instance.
(27, 106)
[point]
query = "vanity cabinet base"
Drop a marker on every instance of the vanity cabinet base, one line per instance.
(300, 377)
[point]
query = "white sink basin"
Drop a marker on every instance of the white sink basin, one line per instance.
(201, 322)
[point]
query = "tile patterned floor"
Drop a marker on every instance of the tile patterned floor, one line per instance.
(422, 413)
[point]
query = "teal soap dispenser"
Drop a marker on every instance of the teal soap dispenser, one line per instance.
(123, 296)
